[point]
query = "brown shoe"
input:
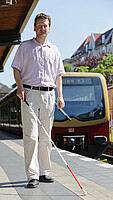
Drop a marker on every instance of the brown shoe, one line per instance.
(46, 179)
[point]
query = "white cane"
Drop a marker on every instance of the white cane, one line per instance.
(35, 116)
(63, 112)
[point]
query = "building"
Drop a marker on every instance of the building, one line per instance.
(67, 61)
(94, 45)
(4, 90)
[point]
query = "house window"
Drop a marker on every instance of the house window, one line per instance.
(103, 38)
(86, 47)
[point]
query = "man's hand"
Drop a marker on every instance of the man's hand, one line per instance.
(20, 90)
(60, 103)
(21, 93)
(60, 100)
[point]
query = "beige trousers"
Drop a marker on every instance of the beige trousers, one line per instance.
(37, 145)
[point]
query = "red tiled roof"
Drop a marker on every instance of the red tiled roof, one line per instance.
(97, 35)
(87, 39)
(81, 47)
(98, 40)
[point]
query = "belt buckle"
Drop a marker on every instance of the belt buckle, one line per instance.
(39, 87)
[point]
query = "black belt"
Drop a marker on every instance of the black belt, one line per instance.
(38, 88)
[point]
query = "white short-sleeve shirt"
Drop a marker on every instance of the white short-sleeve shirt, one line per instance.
(38, 64)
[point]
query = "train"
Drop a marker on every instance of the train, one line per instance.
(110, 95)
(83, 124)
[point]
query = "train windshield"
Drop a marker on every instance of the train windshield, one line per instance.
(83, 98)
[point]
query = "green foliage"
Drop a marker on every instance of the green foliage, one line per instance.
(104, 66)
(82, 69)
(68, 67)
(99, 69)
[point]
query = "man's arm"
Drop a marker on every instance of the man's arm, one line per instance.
(20, 90)
(60, 100)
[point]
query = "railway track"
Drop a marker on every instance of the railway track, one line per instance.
(106, 158)
(108, 155)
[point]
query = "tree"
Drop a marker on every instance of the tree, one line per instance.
(68, 67)
(90, 61)
(103, 65)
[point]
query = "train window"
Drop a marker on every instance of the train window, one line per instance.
(77, 93)
(83, 98)
(2, 114)
(6, 114)
(18, 111)
(13, 111)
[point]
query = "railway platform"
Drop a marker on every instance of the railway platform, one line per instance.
(95, 176)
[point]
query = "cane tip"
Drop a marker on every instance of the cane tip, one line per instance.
(84, 192)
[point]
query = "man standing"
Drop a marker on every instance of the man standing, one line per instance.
(37, 70)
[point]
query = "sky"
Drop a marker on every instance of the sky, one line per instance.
(72, 22)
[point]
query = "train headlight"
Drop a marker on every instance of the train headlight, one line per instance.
(65, 140)
(83, 139)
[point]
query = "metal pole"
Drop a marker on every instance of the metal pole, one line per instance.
(111, 125)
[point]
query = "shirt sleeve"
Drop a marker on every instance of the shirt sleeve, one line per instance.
(60, 66)
(18, 59)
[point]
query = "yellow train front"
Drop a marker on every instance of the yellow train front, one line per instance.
(86, 103)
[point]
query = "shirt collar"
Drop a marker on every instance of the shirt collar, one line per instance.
(47, 43)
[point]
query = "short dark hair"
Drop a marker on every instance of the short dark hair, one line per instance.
(43, 16)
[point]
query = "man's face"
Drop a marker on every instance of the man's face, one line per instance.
(42, 28)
